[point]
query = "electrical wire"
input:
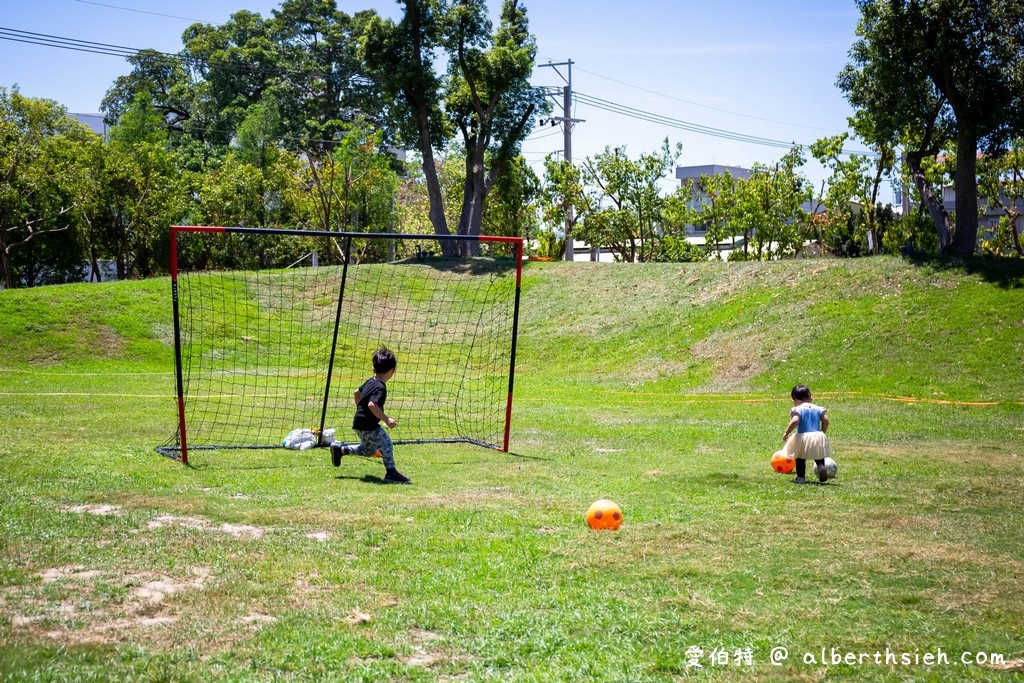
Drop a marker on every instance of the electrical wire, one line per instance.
(698, 104)
(679, 124)
(141, 11)
(47, 40)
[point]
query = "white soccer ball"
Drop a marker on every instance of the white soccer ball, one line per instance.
(830, 469)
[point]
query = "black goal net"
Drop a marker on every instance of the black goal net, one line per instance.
(276, 329)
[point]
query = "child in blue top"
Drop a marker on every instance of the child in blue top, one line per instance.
(809, 443)
(370, 399)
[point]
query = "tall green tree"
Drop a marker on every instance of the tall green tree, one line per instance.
(319, 81)
(351, 188)
(400, 55)
(715, 213)
(173, 82)
(485, 97)
(143, 193)
(304, 58)
(855, 178)
(930, 70)
(41, 166)
(490, 99)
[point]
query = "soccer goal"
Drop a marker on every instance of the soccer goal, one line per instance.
(274, 331)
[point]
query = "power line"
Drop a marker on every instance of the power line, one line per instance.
(679, 124)
(699, 104)
(141, 11)
(48, 40)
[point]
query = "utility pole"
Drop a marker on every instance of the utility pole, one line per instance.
(567, 123)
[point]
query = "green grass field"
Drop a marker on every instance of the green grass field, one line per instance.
(663, 387)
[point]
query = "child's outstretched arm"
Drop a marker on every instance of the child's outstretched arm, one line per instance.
(379, 414)
(793, 422)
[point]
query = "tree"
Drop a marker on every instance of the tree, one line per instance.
(629, 225)
(304, 58)
(142, 191)
(854, 178)
(41, 151)
(930, 70)
(677, 213)
(400, 56)
(318, 78)
(512, 205)
(352, 187)
(171, 81)
(769, 210)
(713, 212)
(254, 184)
(1001, 179)
(563, 202)
(486, 96)
(490, 98)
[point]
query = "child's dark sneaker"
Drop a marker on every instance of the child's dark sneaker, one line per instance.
(799, 480)
(337, 450)
(822, 473)
(396, 477)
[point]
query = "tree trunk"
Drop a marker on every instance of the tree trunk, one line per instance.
(434, 194)
(474, 192)
(5, 266)
(965, 181)
(932, 202)
(872, 219)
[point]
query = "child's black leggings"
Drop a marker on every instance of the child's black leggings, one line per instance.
(801, 466)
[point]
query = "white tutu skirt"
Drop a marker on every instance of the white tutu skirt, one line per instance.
(809, 446)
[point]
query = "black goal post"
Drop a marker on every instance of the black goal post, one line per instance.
(274, 330)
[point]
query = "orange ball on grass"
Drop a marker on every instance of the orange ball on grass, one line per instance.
(783, 463)
(604, 514)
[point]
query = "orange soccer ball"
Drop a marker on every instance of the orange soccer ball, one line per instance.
(604, 514)
(783, 463)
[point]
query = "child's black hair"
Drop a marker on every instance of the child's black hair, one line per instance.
(384, 360)
(801, 392)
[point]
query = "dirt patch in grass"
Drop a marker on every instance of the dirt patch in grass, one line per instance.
(110, 343)
(239, 531)
(84, 615)
(737, 357)
(102, 510)
(472, 498)
(75, 573)
(46, 359)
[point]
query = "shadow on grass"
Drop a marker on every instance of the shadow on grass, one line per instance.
(234, 466)
(528, 457)
(477, 265)
(1007, 273)
(370, 479)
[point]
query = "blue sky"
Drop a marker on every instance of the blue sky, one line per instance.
(763, 69)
